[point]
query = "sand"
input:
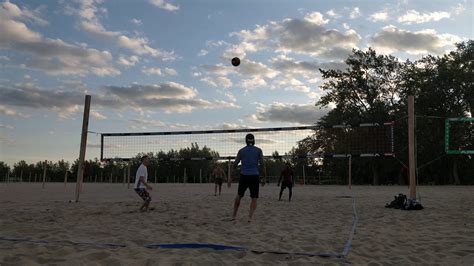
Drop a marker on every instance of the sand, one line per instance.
(319, 219)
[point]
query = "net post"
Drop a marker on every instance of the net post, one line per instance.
(44, 172)
(411, 146)
(82, 151)
(101, 147)
(446, 135)
(200, 175)
(350, 171)
(229, 176)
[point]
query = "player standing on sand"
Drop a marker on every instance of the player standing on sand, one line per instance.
(252, 159)
(141, 179)
(219, 176)
(288, 180)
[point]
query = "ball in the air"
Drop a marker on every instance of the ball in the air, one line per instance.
(235, 61)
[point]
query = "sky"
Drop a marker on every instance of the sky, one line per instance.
(164, 65)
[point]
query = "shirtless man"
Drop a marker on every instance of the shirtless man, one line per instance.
(219, 176)
(288, 180)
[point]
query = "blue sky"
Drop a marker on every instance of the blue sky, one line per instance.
(159, 65)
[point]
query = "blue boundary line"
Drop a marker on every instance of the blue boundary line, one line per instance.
(343, 255)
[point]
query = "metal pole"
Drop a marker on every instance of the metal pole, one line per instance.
(411, 145)
(82, 152)
(44, 172)
(350, 171)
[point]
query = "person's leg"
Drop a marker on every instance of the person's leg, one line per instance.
(147, 199)
(240, 193)
(254, 189)
(290, 188)
(220, 188)
(236, 206)
(253, 207)
(281, 192)
(215, 189)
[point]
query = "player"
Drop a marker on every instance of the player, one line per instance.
(288, 180)
(141, 179)
(252, 166)
(219, 176)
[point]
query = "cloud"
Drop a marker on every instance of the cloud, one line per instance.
(128, 61)
(355, 13)
(253, 83)
(136, 21)
(164, 5)
(95, 114)
(290, 66)
(379, 16)
(89, 15)
(203, 52)
(169, 97)
(458, 9)
(53, 56)
(392, 39)
(158, 71)
(145, 123)
(218, 81)
(9, 10)
(170, 71)
(10, 112)
(6, 126)
(316, 18)
(413, 16)
(332, 13)
(289, 113)
(231, 96)
(299, 36)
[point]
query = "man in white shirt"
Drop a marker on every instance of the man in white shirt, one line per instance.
(141, 182)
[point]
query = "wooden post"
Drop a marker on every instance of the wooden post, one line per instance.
(155, 176)
(350, 171)
(200, 175)
(95, 179)
(65, 180)
(304, 176)
(229, 176)
(21, 176)
(411, 146)
(44, 172)
(185, 178)
(128, 175)
(36, 177)
(82, 151)
(29, 179)
(111, 177)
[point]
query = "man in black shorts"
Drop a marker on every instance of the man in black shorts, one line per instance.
(288, 180)
(252, 166)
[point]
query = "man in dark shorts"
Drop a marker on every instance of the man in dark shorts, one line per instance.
(252, 166)
(141, 179)
(219, 175)
(288, 180)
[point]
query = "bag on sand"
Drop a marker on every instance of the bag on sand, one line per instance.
(401, 202)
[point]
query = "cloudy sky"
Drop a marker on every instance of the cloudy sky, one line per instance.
(159, 65)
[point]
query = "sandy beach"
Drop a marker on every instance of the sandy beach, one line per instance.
(318, 220)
